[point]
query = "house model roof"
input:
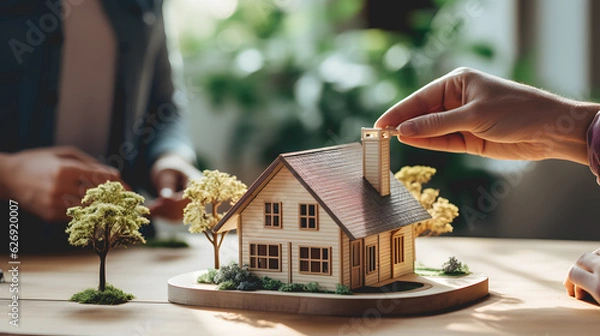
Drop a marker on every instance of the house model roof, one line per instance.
(334, 177)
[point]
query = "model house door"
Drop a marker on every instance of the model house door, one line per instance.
(356, 263)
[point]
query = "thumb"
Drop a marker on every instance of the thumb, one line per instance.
(435, 124)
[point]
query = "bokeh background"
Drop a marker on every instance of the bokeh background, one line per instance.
(261, 77)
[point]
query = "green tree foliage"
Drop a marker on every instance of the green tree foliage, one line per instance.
(211, 190)
(109, 216)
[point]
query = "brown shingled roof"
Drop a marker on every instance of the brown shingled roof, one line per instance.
(333, 176)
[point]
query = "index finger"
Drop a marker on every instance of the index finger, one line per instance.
(74, 153)
(442, 94)
(84, 175)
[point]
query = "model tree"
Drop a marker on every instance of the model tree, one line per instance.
(109, 216)
(441, 210)
(207, 194)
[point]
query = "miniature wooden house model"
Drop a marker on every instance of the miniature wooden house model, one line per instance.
(333, 215)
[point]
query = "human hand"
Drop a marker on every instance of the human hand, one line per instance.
(467, 111)
(170, 175)
(46, 181)
(583, 279)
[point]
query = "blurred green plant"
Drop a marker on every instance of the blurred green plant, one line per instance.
(307, 74)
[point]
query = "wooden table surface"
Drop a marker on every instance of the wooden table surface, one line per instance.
(525, 278)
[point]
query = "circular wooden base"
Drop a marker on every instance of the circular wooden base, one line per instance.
(438, 294)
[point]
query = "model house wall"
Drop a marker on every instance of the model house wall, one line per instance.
(284, 189)
(285, 234)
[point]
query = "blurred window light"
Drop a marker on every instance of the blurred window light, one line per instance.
(287, 5)
(396, 57)
(307, 90)
(384, 92)
(344, 74)
(311, 118)
(229, 40)
(249, 61)
(221, 9)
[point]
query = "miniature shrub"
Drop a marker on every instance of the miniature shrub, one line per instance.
(234, 273)
(227, 285)
(232, 276)
(237, 276)
(342, 290)
(109, 296)
(270, 283)
(312, 287)
(226, 273)
(248, 286)
(208, 277)
(285, 288)
(293, 287)
(244, 275)
(455, 267)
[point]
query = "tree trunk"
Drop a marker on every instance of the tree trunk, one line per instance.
(102, 283)
(216, 250)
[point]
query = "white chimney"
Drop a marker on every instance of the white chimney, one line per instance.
(376, 157)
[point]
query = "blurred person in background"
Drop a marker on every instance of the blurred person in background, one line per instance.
(86, 95)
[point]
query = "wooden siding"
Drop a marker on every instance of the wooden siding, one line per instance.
(385, 166)
(385, 265)
(373, 278)
(346, 267)
(409, 251)
(284, 188)
(376, 165)
(385, 256)
(372, 157)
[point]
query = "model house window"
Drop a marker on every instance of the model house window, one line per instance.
(309, 217)
(315, 260)
(371, 254)
(273, 214)
(398, 246)
(265, 257)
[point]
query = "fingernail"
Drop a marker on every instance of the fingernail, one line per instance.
(166, 192)
(407, 128)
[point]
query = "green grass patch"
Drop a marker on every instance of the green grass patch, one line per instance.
(428, 271)
(109, 296)
(452, 267)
